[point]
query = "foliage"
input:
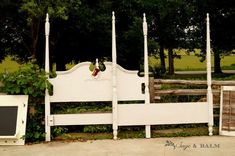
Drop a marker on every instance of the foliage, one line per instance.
(78, 24)
(12, 31)
(72, 108)
(57, 131)
(97, 129)
(29, 80)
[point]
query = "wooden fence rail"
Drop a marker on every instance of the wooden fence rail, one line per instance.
(193, 82)
(156, 92)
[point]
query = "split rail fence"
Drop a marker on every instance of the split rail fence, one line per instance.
(156, 91)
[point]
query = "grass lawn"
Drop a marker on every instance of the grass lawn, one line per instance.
(192, 63)
(174, 132)
(186, 63)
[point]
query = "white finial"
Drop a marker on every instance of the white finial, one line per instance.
(47, 25)
(114, 55)
(97, 63)
(113, 15)
(145, 27)
(207, 18)
(47, 31)
(47, 17)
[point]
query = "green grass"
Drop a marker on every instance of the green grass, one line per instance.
(192, 63)
(175, 132)
(186, 63)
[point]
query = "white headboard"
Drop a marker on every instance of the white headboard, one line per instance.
(78, 84)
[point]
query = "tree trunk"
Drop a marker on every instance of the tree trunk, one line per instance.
(162, 58)
(34, 34)
(217, 65)
(171, 61)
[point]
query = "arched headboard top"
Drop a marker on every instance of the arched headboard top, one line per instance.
(78, 84)
(87, 64)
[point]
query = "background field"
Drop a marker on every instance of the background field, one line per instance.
(190, 62)
(186, 63)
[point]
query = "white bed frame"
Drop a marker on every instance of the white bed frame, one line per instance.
(117, 84)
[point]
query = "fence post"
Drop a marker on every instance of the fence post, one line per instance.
(47, 69)
(209, 90)
(114, 80)
(146, 73)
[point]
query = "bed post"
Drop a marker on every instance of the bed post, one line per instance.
(47, 100)
(209, 90)
(146, 73)
(114, 79)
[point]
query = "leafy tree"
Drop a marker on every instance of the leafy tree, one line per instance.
(169, 21)
(81, 29)
(12, 31)
(86, 34)
(222, 15)
(35, 11)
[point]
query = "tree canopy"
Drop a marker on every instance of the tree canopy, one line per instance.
(81, 29)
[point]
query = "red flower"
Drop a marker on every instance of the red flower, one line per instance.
(95, 72)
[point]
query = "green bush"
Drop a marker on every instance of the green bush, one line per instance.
(29, 80)
(97, 128)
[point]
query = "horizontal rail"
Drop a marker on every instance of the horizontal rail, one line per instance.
(184, 92)
(193, 82)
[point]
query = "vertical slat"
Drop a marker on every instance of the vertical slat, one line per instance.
(209, 90)
(151, 89)
(221, 109)
(146, 72)
(114, 79)
(227, 119)
(230, 111)
(47, 100)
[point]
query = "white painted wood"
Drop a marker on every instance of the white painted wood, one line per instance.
(228, 88)
(47, 32)
(146, 73)
(227, 133)
(164, 113)
(146, 64)
(129, 85)
(21, 101)
(77, 84)
(47, 69)
(223, 132)
(82, 119)
(117, 84)
(114, 79)
(209, 90)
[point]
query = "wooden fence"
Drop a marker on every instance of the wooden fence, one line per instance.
(156, 91)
